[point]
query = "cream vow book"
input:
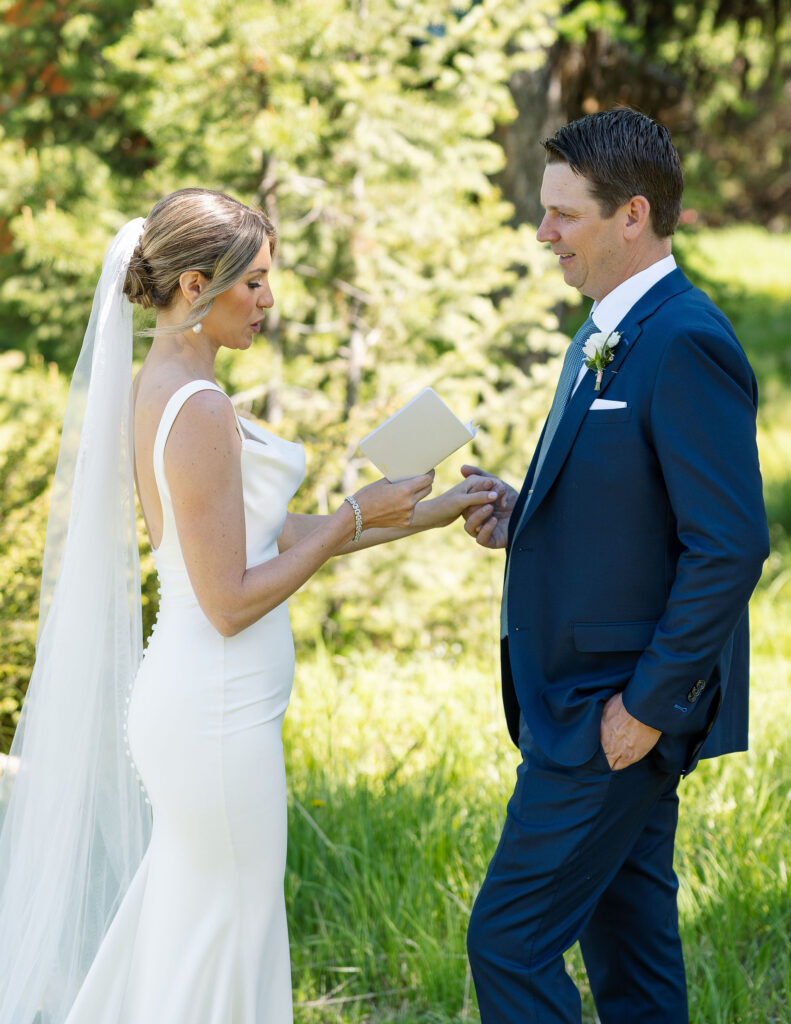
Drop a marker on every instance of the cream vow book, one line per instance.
(416, 438)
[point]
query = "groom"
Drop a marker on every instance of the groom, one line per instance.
(632, 550)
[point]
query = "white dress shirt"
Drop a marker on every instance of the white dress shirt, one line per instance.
(608, 313)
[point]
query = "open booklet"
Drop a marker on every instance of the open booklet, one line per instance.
(416, 438)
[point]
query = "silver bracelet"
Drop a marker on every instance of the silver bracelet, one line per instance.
(358, 517)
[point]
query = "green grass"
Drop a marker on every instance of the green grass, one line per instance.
(399, 772)
(734, 847)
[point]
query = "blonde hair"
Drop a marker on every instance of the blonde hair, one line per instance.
(194, 229)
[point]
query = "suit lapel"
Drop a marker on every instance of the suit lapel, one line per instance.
(516, 512)
(630, 328)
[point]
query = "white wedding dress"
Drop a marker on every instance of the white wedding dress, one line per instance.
(201, 936)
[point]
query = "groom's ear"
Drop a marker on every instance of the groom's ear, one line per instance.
(637, 217)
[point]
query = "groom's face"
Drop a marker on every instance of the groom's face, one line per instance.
(590, 247)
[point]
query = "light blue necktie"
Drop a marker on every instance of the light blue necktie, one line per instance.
(568, 375)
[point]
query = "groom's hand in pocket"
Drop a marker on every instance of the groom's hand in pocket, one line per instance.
(488, 524)
(623, 738)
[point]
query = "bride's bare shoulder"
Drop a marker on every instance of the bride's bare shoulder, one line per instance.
(204, 425)
(204, 436)
(205, 414)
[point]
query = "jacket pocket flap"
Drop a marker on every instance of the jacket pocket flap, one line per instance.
(613, 636)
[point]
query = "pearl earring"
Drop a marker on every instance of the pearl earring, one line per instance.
(197, 328)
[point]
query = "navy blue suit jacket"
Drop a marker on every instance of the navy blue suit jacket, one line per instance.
(642, 543)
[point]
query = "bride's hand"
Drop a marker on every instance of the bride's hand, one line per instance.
(387, 504)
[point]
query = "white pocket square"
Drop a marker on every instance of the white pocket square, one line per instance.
(605, 403)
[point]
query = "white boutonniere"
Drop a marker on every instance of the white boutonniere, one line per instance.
(598, 352)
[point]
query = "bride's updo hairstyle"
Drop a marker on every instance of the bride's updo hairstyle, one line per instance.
(194, 229)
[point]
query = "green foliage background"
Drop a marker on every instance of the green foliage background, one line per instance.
(364, 130)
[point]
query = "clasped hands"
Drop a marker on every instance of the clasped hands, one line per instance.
(624, 739)
(488, 524)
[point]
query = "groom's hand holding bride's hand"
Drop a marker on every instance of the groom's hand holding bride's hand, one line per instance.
(456, 501)
(488, 523)
(406, 503)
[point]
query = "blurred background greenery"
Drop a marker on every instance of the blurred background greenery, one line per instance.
(396, 144)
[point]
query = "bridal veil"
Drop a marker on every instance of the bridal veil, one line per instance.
(74, 823)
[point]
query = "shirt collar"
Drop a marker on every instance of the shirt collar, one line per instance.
(608, 313)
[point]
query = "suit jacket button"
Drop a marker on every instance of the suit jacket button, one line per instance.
(696, 690)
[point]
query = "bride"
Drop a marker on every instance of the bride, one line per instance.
(143, 843)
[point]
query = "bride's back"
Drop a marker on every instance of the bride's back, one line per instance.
(153, 388)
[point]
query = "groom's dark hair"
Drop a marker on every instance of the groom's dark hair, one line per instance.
(623, 153)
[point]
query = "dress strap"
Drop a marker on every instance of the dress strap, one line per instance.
(169, 414)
